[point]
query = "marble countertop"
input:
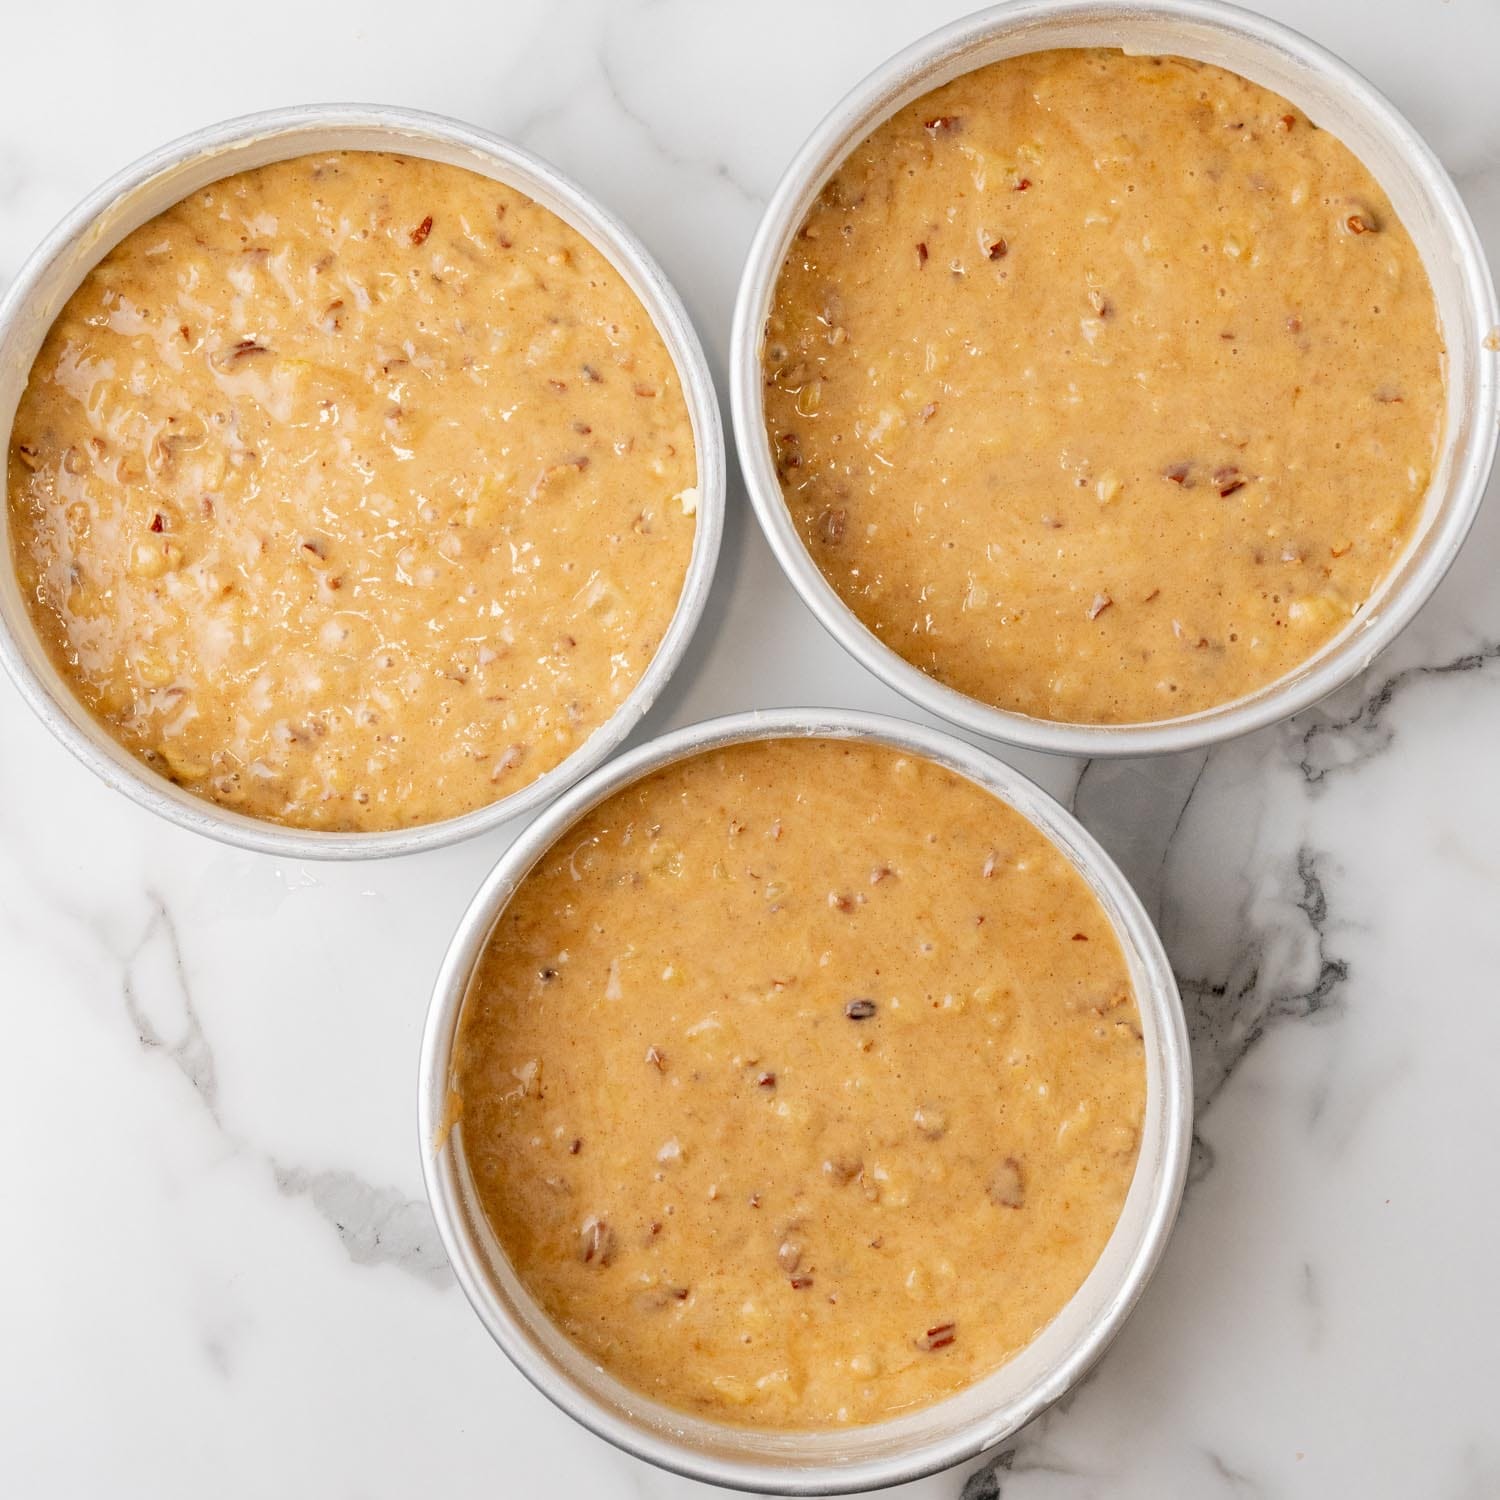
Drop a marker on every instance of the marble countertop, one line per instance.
(219, 1273)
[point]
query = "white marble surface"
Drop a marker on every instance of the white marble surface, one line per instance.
(217, 1275)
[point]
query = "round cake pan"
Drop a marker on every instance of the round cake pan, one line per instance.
(167, 176)
(839, 1461)
(1334, 97)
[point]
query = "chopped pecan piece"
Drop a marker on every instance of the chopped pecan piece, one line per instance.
(596, 1241)
(1227, 480)
(1007, 1187)
(939, 1336)
(244, 349)
(507, 761)
(660, 1297)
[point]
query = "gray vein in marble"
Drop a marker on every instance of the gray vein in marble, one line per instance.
(159, 1003)
(1332, 743)
(1028, 1456)
(1202, 1159)
(1182, 811)
(216, 1352)
(663, 146)
(536, 120)
(1235, 1480)
(1339, 1114)
(376, 1225)
(984, 1484)
(1263, 984)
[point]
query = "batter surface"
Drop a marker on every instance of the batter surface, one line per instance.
(802, 1083)
(1103, 388)
(353, 492)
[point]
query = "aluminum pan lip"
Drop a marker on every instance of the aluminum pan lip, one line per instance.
(822, 1463)
(165, 176)
(1340, 100)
